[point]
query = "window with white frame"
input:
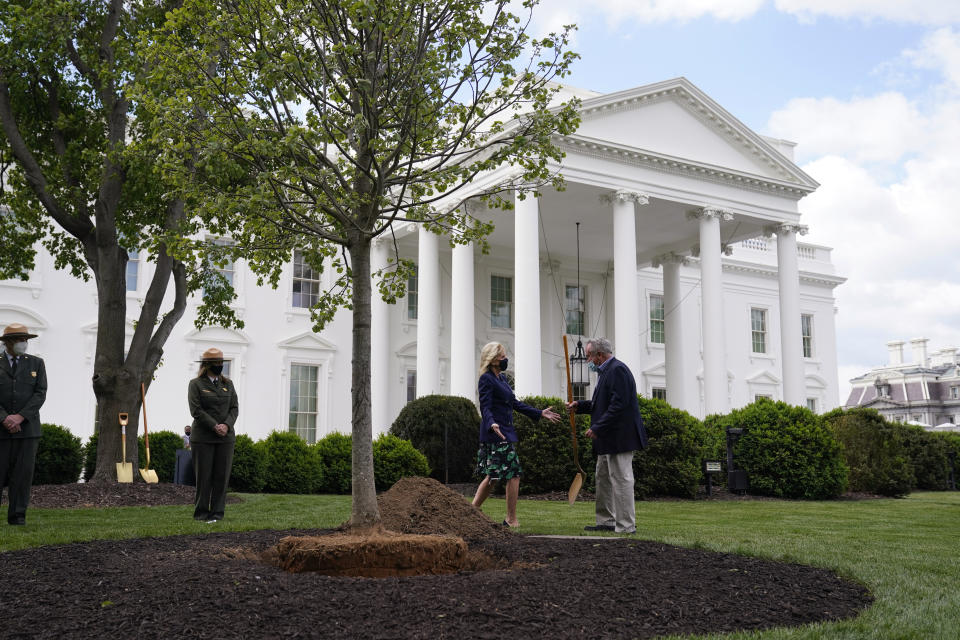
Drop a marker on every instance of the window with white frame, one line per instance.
(574, 307)
(657, 326)
(226, 267)
(412, 299)
(306, 282)
(761, 396)
(955, 393)
(501, 302)
(806, 332)
(758, 330)
(812, 404)
(133, 269)
(303, 401)
(660, 393)
(411, 385)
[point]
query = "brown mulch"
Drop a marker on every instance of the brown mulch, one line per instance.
(213, 586)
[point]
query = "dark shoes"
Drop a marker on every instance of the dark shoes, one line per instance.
(17, 521)
(600, 527)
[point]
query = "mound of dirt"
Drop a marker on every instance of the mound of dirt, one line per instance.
(425, 506)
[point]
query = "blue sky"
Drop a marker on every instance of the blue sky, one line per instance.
(870, 92)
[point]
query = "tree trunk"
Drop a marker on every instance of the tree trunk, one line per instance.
(364, 514)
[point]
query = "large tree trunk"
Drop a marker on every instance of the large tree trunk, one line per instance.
(364, 514)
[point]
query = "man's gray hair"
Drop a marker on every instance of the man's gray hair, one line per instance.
(601, 345)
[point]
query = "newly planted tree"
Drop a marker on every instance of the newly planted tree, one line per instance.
(349, 117)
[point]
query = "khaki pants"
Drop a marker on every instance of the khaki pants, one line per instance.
(615, 503)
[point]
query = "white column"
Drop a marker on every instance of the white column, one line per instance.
(626, 319)
(711, 308)
(526, 297)
(428, 313)
(463, 374)
(674, 358)
(379, 345)
(791, 339)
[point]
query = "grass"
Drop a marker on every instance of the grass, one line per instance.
(905, 551)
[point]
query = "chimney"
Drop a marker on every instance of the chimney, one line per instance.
(949, 355)
(896, 352)
(919, 346)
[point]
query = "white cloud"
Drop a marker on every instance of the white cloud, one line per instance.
(931, 12)
(939, 50)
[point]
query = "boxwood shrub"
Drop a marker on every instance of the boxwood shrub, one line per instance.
(873, 450)
(546, 448)
(90, 458)
(787, 451)
(335, 454)
(249, 471)
(395, 458)
(290, 465)
(671, 463)
(928, 456)
(445, 429)
(59, 456)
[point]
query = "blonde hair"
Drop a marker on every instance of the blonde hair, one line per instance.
(488, 355)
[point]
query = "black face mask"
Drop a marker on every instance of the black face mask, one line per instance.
(503, 364)
(216, 369)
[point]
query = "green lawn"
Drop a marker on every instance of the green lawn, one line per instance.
(906, 551)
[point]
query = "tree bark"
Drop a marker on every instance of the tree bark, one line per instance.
(365, 514)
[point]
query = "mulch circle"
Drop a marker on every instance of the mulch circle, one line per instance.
(217, 586)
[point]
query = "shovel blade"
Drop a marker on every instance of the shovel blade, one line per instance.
(575, 488)
(149, 475)
(124, 472)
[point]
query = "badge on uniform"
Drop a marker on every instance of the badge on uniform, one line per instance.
(224, 388)
(33, 373)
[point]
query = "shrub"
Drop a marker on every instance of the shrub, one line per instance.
(334, 453)
(445, 429)
(290, 466)
(787, 452)
(395, 458)
(90, 458)
(546, 448)
(249, 471)
(163, 453)
(671, 463)
(873, 450)
(59, 456)
(927, 453)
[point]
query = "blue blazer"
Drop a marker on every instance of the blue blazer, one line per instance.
(497, 404)
(614, 411)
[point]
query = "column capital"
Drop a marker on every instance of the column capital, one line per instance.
(623, 195)
(710, 212)
(786, 227)
(670, 258)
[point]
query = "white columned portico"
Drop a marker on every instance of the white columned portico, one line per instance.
(463, 366)
(715, 396)
(526, 260)
(791, 339)
(673, 352)
(428, 312)
(626, 322)
(379, 344)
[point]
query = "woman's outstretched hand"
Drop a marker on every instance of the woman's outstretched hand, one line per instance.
(550, 414)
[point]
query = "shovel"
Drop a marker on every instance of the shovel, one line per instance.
(577, 479)
(124, 469)
(148, 474)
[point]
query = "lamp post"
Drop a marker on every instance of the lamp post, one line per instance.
(578, 376)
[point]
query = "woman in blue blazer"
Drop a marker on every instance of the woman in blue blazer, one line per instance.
(497, 458)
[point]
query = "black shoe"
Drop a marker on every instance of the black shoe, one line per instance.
(17, 521)
(599, 527)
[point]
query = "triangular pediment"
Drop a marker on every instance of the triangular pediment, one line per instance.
(307, 340)
(676, 120)
(883, 403)
(763, 377)
(218, 335)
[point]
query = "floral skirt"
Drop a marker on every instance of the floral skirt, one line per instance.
(499, 460)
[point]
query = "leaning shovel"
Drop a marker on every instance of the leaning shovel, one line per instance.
(148, 474)
(578, 479)
(124, 469)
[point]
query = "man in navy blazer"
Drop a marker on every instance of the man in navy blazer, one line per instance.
(617, 431)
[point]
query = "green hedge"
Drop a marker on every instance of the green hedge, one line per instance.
(395, 458)
(874, 452)
(335, 454)
(59, 456)
(671, 465)
(249, 471)
(90, 458)
(291, 466)
(928, 456)
(445, 429)
(787, 451)
(163, 453)
(546, 448)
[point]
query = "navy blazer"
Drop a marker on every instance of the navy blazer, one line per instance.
(497, 404)
(615, 411)
(23, 394)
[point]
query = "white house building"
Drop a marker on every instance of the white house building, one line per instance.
(689, 262)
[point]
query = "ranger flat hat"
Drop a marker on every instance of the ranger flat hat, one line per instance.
(211, 355)
(15, 331)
